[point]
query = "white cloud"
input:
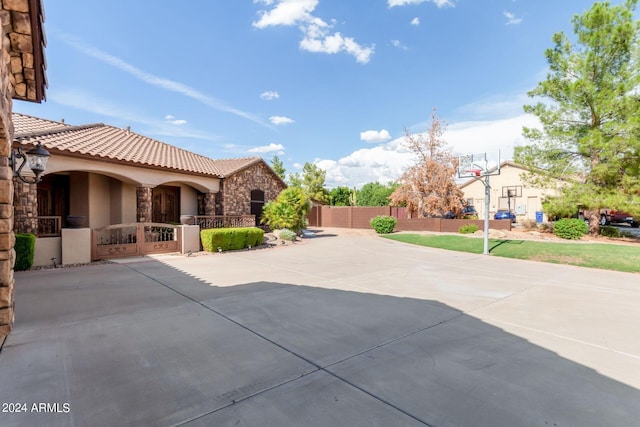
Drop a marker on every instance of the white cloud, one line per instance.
(159, 82)
(383, 163)
(489, 135)
(171, 119)
(286, 12)
(399, 45)
(375, 136)
(269, 95)
(316, 32)
(386, 162)
(271, 148)
(439, 3)
(511, 18)
(335, 43)
(280, 120)
(415, 21)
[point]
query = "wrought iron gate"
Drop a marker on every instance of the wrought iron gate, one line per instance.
(135, 239)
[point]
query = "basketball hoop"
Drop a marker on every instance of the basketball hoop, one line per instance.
(474, 166)
(478, 165)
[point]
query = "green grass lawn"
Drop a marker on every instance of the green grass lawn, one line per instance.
(595, 255)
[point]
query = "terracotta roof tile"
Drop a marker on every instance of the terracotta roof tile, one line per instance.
(108, 142)
(24, 124)
(230, 166)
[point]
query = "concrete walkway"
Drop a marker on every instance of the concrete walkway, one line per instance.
(339, 330)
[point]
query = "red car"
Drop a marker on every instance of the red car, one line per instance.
(620, 217)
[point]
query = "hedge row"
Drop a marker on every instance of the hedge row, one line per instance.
(228, 239)
(25, 249)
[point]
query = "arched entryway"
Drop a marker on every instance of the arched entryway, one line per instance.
(257, 202)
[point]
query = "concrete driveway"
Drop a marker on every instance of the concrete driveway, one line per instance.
(340, 330)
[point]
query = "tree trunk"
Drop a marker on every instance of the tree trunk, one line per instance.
(594, 222)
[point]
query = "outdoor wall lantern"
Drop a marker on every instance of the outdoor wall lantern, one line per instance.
(36, 159)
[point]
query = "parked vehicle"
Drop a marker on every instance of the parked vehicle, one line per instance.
(505, 214)
(620, 217)
(446, 215)
(609, 216)
(469, 211)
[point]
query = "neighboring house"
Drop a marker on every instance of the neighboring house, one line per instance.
(507, 192)
(109, 176)
(22, 77)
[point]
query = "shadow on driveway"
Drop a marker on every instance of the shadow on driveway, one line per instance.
(146, 344)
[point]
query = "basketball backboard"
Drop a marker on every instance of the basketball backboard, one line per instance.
(512, 191)
(473, 165)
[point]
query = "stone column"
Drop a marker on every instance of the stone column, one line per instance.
(144, 204)
(25, 207)
(7, 237)
(210, 204)
(219, 202)
(7, 240)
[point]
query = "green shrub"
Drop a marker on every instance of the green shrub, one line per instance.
(25, 250)
(609, 231)
(570, 228)
(230, 238)
(383, 224)
(288, 210)
(468, 229)
(286, 234)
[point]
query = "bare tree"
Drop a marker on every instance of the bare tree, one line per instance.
(428, 188)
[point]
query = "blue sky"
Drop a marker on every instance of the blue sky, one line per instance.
(327, 81)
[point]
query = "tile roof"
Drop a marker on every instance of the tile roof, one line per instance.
(111, 144)
(230, 166)
(24, 124)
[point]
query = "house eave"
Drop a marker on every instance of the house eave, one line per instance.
(27, 47)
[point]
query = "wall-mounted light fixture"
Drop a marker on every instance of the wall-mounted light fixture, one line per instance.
(36, 159)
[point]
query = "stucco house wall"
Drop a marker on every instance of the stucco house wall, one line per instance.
(188, 199)
(123, 202)
(78, 205)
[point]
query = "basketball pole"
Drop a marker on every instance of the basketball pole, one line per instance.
(474, 166)
(487, 194)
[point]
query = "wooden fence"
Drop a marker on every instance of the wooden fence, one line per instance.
(360, 216)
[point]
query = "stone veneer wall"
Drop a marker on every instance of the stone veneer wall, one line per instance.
(210, 204)
(7, 237)
(25, 207)
(16, 23)
(237, 188)
(144, 204)
(219, 200)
